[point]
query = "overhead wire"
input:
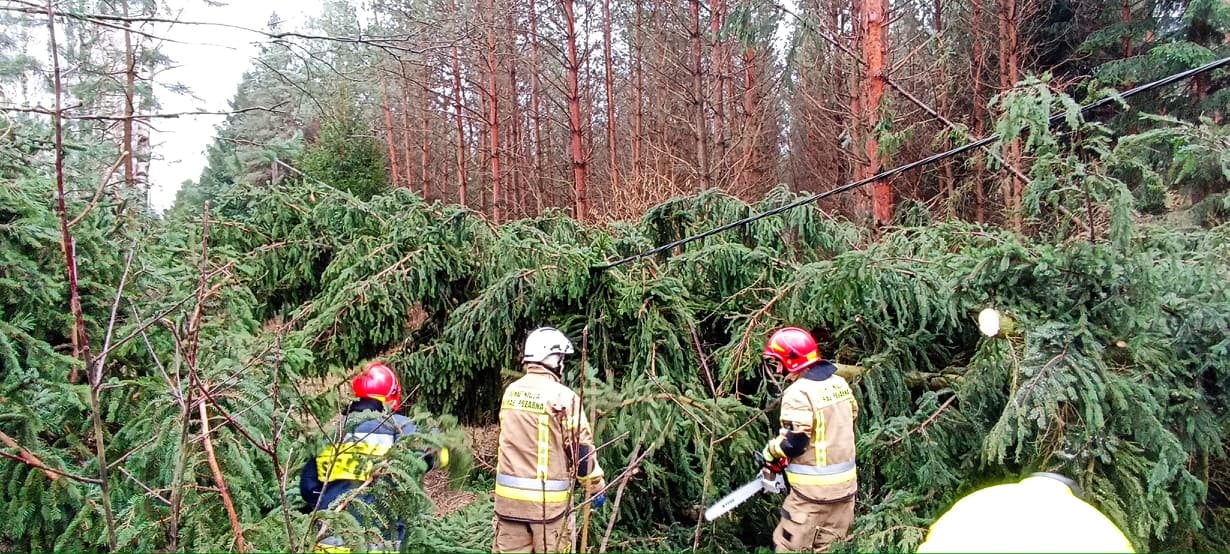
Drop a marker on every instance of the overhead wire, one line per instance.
(909, 166)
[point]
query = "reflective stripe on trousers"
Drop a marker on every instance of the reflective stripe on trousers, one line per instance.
(532, 490)
(800, 474)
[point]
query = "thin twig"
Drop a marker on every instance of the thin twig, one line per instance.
(171, 385)
(190, 356)
(700, 353)
(152, 492)
(706, 482)
(278, 470)
(96, 377)
(924, 424)
(102, 185)
(633, 462)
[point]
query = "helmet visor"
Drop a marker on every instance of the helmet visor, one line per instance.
(771, 365)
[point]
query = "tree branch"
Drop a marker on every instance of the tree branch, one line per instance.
(926, 423)
(102, 185)
(227, 503)
(81, 343)
(175, 115)
(384, 42)
(26, 457)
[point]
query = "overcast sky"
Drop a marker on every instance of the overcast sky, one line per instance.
(210, 64)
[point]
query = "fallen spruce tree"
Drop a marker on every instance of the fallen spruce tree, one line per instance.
(214, 369)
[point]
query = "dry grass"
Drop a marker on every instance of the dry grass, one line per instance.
(484, 443)
(446, 499)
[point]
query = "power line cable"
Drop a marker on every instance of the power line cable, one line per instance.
(912, 165)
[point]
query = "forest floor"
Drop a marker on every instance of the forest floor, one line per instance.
(484, 443)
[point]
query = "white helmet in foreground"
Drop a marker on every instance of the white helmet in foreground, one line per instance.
(546, 346)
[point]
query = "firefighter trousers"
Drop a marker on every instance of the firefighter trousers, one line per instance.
(808, 526)
(520, 536)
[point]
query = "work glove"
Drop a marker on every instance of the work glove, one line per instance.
(436, 459)
(595, 485)
(773, 464)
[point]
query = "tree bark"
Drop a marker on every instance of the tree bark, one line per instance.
(535, 110)
(388, 131)
(130, 90)
(717, 9)
(462, 175)
(514, 146)
(493, 118)
(700, 121)
(1009, 53)
(980, 204)
(425, 144)
(612, 142)
(638, 95)
(946, 170)
(407, 161)
(580, 192)
(875, 54)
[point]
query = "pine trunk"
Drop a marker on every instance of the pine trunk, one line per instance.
(462, 176)
(580, 192)
(493, 119)
(980, 203)
(390, 140)
(946, 169)
(749, 174)
(612, 143)
(407, 161)
(716, 15)
(875, 54)
(536, 110)
(699, 121)
(130, 91)
(638, 96)
(516, 167)
(425, 144)
(1009, 53)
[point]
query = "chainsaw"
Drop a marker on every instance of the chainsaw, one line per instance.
(762, 483)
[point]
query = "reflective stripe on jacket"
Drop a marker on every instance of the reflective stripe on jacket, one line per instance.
(542, 430)
(824, 409)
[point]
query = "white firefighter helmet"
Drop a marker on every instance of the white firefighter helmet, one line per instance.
(546, 346)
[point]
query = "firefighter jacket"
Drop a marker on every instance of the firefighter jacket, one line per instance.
(817, 435)
(545, 439)
(342, 467)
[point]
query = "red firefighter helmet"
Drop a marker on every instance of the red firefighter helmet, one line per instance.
(791, 350)
(378, 382)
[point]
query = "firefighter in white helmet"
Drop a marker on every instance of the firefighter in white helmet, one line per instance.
(545, 442)
(1042, 513)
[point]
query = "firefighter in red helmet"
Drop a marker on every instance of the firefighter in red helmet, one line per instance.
(814, 447)
(347, 465)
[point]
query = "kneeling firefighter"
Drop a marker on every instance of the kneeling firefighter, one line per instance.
(814, 447)
(1042, 513)
(349, 465)
(545, 439)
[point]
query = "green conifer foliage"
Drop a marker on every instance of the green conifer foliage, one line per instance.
(1115, 371)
